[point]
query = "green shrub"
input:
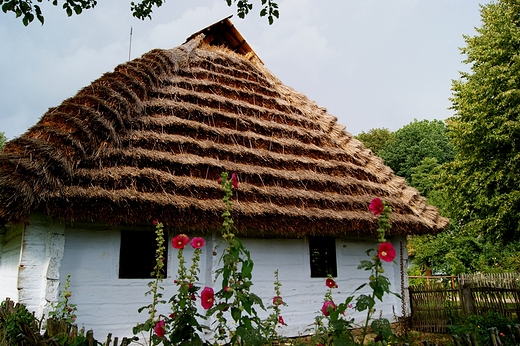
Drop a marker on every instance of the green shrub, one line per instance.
(479, 326)
(18, 326)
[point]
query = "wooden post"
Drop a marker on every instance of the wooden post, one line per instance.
(456, 340)
(109, 339)
(474, 341)
(493, 336)
(467, 300)
(90, 338)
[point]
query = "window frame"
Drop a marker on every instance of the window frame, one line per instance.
(322, 257)
(136, 248)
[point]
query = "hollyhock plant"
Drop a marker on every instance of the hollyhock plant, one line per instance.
(234, 180)
(159, 328)
(386, 251)
(376, 207)
(277, 300)
(207, 297)
(280, 319)
(197, 242)
(331, 283)
(180, 241)
(327, 306)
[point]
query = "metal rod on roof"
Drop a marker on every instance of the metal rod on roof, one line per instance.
(130, 47)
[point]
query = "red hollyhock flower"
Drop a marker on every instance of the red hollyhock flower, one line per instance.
(155, 222)
(219, 180)
(159, 328)
(207, 297)
(376, 207)
(234, 180)
(180, 241)
(327, 306)
(386, 251)
(197, 242)
(331, 283)
(280, 319)
(277, 300)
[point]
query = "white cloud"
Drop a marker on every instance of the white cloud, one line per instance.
(372, 63)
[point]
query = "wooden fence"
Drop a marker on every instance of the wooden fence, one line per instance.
(29, 329)
(436, 305)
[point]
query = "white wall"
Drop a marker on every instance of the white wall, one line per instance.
(10, 247)
(303, 294)
(105, 303)
(108, 304)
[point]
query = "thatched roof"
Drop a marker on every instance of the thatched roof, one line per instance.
(150, 139)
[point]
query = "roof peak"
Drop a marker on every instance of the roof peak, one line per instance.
(224, 34)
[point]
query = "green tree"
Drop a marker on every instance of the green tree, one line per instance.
(375, 139)
(483, 180)
(27, 10)
(414, 142)
(3, 139)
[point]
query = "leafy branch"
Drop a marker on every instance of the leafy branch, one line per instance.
(28, 10)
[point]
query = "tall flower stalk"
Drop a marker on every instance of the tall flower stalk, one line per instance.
(379, 283)
(331, 325)
(275, 318)
(64, 310)
(236, 272)
(182, 325)
(153, 322)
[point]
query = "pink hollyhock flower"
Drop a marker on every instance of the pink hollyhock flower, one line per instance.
(159, 328)
(207, 297)
(376, 207)
(280, 319)
(219, 180)
(327, 306)
(234, 180)
(277, 300)
(197, 242)
(155, 222)
(386, 251)
(180, 241)
(330, 283)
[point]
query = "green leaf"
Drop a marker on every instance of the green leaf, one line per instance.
(364, 302)
(365, 264)
(236, 314)
(247, 269)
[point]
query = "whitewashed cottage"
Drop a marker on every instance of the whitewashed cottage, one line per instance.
(80, 189)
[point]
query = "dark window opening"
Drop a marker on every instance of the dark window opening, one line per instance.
(323, 257)
(137, 254)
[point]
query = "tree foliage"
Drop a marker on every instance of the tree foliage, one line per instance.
(375, 139)
(483, 180)
(3, 139)
(481, 185)
(413, 143)
(27, 10)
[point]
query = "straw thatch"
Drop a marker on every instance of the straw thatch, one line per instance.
(150, 139)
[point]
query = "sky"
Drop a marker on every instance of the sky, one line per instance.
(371, 63)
